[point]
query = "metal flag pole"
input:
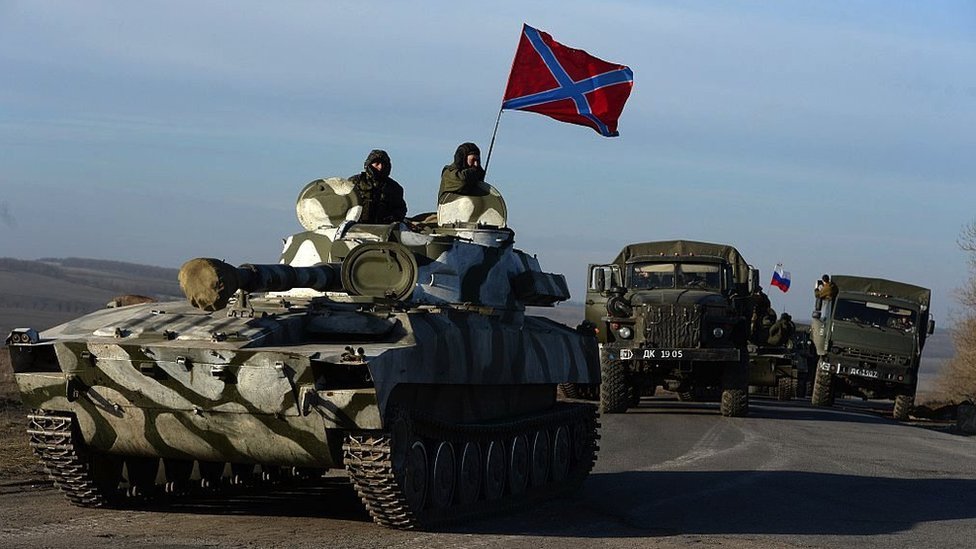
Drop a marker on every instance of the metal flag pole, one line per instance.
(492, 144)
(502, 107)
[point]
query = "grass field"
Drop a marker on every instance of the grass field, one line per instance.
(16, 460)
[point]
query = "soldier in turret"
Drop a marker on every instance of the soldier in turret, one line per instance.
(380, 196)
(464, 175)
(781, 332)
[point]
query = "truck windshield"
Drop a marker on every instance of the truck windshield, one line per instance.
(706, 276)
(878, 315)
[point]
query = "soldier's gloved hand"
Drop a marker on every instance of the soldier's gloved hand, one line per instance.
(472, 175)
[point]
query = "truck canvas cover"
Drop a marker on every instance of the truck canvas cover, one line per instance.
(882, 287)
(686, 248)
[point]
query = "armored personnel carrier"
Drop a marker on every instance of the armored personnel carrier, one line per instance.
(401, 354)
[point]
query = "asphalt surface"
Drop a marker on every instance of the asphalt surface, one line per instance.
(669, 475)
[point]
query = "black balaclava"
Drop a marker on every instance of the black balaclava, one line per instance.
(377, 155)
(462, 152)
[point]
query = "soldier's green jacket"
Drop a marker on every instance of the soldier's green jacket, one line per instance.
(458, 181)
(781, 332)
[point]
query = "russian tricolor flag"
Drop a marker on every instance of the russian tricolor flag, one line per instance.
(781, 278)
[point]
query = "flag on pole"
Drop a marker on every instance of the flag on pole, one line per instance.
(781, 278)
(567, 84)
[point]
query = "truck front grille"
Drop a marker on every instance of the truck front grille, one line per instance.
(868, 356)
(675, 326)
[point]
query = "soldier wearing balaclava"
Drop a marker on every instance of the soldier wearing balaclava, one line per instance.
(380, 196)
(465, 175)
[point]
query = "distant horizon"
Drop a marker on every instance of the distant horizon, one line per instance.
(829, 137)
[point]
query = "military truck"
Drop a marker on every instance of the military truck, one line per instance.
(673, 314)
(402, 354)
(869, 341)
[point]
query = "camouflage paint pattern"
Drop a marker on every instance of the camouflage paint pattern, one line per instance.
(484, 208)
(274, 379)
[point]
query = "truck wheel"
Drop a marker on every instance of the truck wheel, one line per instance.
(823, 395)
(785, 388)
(735, 403)
(614, 393)
(903, 407)
(735, 388)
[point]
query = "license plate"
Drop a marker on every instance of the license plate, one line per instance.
(862, 372)
(651, 354)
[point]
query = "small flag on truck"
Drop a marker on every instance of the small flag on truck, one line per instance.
(781, 278)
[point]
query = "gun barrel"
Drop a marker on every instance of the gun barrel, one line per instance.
(210, 283)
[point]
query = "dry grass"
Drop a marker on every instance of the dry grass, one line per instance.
(16, 459)
(958, 379)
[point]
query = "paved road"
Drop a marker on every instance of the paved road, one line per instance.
(669, 475)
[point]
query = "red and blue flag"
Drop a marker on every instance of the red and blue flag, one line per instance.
(567, 84)
(781, 278)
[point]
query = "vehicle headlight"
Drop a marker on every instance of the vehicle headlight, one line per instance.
(718, 332)
(625, 332)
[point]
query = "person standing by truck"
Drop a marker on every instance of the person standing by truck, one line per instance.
(825, 291)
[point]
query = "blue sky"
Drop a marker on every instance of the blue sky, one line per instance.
(829, 136)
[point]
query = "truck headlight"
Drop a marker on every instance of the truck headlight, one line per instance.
(718, 332)
(625, 332)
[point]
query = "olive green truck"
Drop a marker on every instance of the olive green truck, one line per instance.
(870, 340)
(672, 314)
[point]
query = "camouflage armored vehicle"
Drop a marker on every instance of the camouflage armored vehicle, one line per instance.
(779, 370)
(673, 314)
(404, 356)
(870, 341)
(775, 371)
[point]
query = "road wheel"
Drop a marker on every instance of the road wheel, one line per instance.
(413, 474)
(443, 477)
(614, 393)
(903, 407)
(823, 394)
(178, 473)
(141, 473)
(560, 453)
(210, 474)
(107, 475)
(518, 465)
(469, 478)
(494, 470)
(735, 403)
(541, 455)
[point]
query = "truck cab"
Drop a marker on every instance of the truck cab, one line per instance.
(870, 341)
